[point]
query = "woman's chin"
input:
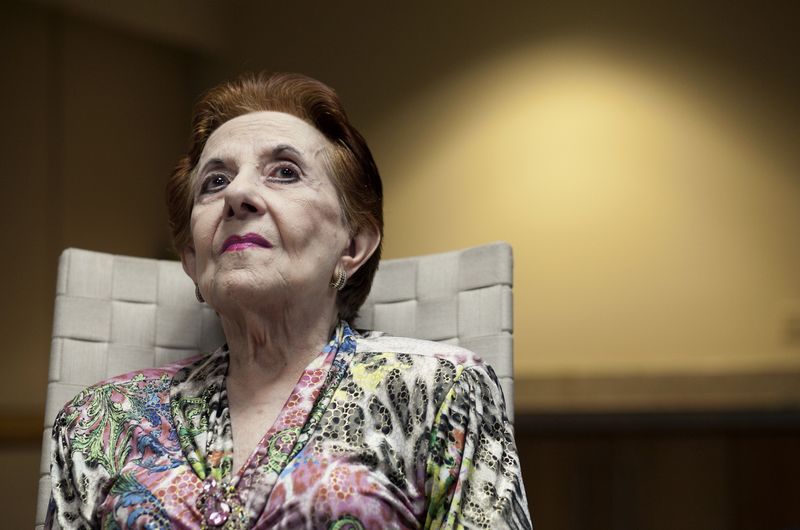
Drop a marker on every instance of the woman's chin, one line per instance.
(244, 286)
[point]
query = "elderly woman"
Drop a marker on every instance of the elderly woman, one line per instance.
(298, 421)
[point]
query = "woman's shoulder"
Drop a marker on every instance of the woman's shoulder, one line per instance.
(383, 360)
(121, 388)
(419, 349)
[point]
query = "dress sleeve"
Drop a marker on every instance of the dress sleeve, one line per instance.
(77, 480)
(473, 471)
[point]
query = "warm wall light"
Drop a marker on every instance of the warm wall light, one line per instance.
(654, 227)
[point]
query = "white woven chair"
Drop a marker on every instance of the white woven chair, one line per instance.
(115, 314)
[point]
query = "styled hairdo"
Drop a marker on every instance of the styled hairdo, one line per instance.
(353, 171)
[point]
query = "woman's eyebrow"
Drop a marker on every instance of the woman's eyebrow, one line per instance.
(212, 163)
(285, 148)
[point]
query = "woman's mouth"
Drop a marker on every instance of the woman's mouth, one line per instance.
(236, 243)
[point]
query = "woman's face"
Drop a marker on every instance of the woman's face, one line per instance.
(266, 217)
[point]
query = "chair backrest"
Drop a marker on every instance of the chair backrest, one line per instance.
(115, 314)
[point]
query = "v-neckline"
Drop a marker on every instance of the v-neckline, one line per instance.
(319, 365)
(202, 418)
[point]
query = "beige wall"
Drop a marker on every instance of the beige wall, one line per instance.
(652, 207)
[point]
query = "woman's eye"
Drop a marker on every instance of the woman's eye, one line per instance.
(285, 173)
(213, 183)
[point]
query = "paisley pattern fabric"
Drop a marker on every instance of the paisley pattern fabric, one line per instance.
(377, 433)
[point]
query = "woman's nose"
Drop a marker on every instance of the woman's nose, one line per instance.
(243, 198)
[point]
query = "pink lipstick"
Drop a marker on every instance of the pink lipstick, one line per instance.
(236, 243)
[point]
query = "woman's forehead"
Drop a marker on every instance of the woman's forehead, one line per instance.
(258, 130)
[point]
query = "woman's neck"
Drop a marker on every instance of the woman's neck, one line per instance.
(266, 347)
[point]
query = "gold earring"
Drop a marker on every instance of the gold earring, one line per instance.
(341, 279)
(198, 294)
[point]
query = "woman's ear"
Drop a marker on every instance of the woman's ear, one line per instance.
(361, 247)
(188, 262)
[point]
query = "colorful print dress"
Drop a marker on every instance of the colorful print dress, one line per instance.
(379, 432)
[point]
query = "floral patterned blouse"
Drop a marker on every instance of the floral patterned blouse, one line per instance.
(379, 432)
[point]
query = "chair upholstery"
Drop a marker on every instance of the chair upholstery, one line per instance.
(115, 314)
